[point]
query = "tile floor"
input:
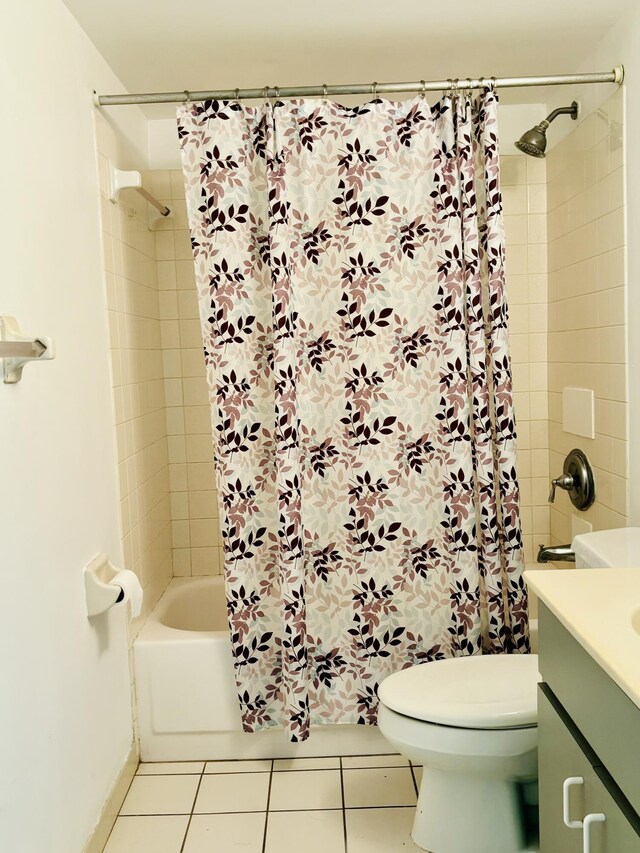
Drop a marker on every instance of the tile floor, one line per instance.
(359, 804)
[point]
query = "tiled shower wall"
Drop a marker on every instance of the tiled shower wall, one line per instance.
(587, 308)
(138, 382)
(194, 509)
(523, 182)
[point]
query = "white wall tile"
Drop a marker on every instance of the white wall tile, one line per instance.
(194, 502)
(587, 314)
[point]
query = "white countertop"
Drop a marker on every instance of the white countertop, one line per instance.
(597, 607)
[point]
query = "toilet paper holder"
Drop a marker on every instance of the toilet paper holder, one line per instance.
(101, 594)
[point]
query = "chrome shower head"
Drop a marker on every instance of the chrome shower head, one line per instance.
(534, 142)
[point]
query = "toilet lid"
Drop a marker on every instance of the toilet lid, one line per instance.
(479, 692)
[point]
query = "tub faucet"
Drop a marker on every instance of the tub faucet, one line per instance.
(556, 553)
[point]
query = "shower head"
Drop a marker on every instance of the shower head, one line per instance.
(534, 142)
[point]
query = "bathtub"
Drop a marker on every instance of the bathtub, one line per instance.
(186, 699)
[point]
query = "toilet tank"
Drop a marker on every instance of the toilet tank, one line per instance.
(608, 548)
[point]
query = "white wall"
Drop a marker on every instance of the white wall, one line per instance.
(164, 152)
(621, 46)
(65, 712)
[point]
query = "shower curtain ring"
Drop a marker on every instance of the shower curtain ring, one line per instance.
(187, 94)
(265, 93)
(374, 89)
(324, 91)
(423, 89)
(276, 93)
(236, 94)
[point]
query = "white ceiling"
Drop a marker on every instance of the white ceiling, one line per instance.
(159, 45)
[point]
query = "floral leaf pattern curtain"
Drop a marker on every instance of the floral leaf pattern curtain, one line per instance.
(350, 271)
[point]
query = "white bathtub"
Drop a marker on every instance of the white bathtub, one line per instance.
(187, 706)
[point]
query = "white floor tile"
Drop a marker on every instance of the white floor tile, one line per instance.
(170, 768)
(147, 834)
(306, 764)
(233, 792)
(305, 804)
(388, 786)
(310, 831)
(238, 766)
(306, 789)
(357, 761)
(225, 833)
(380, 830)
(150, 795)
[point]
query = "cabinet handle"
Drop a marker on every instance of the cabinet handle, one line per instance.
(598, 817)
(566, 785)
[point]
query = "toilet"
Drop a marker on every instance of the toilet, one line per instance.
(472, 723)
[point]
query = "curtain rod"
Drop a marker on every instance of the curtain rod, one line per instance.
(616, 75)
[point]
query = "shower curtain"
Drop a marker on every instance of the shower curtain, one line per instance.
(350, 271)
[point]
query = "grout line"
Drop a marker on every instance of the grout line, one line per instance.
(298, 811)
(156, 775)
(276, 811)
(397, 806)
(344, 812)
(413, 776)
(210, 773)
(305, 769)
(266, 817)
(125, 797)
(328, 769)
(194, 814)
(193, 805)
(379, 766)
(345, 809)
(240, 761)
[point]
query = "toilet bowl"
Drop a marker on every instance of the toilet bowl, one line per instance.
(472, 723)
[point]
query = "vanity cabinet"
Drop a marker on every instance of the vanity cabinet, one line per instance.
(562, 757)
(590, 767)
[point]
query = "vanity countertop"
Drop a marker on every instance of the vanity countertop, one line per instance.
(601, 609)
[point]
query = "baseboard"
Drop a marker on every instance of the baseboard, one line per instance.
(99, 836)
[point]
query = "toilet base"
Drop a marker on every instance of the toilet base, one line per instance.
(459, 813)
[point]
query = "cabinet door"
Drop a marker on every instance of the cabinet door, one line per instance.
(616, 834)
(561, 757)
